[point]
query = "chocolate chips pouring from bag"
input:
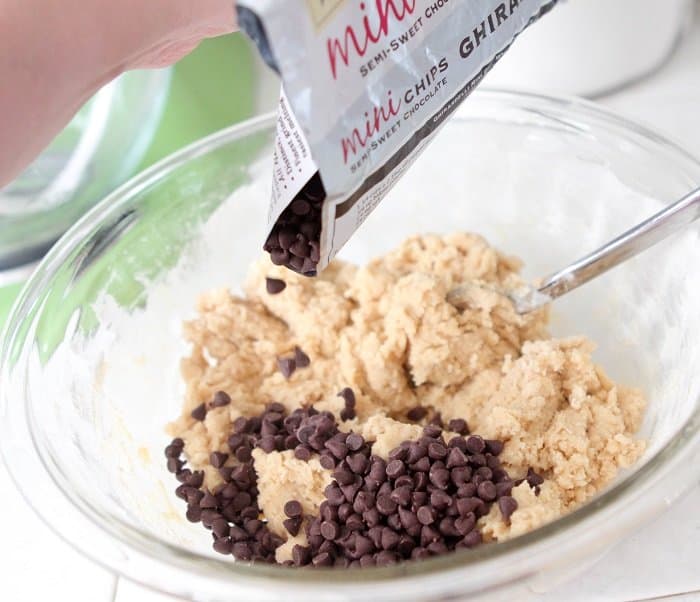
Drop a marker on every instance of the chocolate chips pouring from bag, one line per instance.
(365, 86)
(424, 500)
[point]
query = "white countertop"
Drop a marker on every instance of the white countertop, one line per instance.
(661, 560)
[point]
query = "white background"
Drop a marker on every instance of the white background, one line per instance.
(661, 560)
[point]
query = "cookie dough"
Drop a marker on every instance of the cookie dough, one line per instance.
(386, 331)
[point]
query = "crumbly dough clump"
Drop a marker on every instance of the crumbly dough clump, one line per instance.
(387, 331)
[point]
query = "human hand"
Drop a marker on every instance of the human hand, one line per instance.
(55, 54)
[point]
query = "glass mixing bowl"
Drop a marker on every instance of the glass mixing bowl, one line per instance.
(89, 373)
(97, 151)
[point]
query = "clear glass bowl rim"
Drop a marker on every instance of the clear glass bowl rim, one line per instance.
(185, 569)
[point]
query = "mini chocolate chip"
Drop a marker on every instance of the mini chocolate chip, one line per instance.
(241, 500)
(416, 451)
(250, 512)
(242, 550)
(252, 526)
(220, 527)
(223, 545)
(300, 207)
(421, 465)
(174, 465)
(471, 539)
(229, 491)
(419, 498)
(300, 358)
(200, 412)
(395, 469)
(408, 518)
(371, 517)
(302, 452)
(428, 535)
(357, 463)
(477, 460)
(279, 256)
(322, 559)
(458, 442)
(196, 479)
(343, 475)
(390, 539)
(417, 413)
(440, 500)
(475, 444)
(208, 501)
(426, 515)
(456, 458)
(330, 530)
(267, 444)
(240, 425)
(504, 488)
(274, 286)
(386, 558)
(354, 441)
(354, 522)
(348, 396)
(218, 459)
(419, 553)
(401, 495)
(485, 473)
(447, 527)
(364, 501)
(183, 491)
(236, 440)
(437, 451)
(458, 425)
(394, 522)
(350, 490)
(398, 453)
(173, 451)
(243, 453)
(385, 505)
(487, 491)
(328, 547)
(494, 446)
(440, 477)
(436, 420)
(327, 461)
(467, 505)
(293, 509)
(534, 479)
(220, 399)
(367, 560)
(378, 470)
(344, 511)
(432, 431)
(420, 481)
(507, 505)
(287, 366)
(328, 512)
(334, 495)
(347, 414)
(493, 462)
(464, 524)
(209, 516)
(193, 514)
(337, 448)
(301, 555)
(194, 496)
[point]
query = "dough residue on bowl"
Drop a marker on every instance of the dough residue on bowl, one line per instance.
(386, 331)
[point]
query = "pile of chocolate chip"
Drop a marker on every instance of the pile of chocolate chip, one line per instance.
(295, 238)
(423, 501)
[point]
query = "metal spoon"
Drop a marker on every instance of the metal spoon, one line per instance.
(661, 225)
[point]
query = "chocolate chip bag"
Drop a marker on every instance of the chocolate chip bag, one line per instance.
(366, 84)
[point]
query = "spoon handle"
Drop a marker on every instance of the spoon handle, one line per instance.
(634, 241)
